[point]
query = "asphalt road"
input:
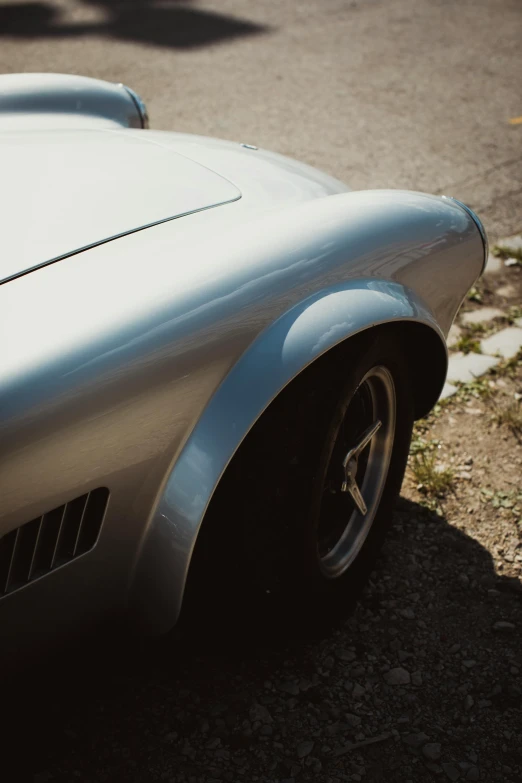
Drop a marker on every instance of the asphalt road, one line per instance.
(381, 93)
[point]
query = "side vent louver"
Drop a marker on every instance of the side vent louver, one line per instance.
(51, 540)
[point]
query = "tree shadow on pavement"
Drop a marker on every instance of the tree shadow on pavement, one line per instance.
(434, 607)
(143, 21)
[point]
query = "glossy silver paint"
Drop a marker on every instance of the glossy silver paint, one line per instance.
(76, 189)
(479, 225)
(141, 363)
(56, 100)
(142, 109)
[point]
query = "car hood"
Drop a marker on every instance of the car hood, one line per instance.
(65, 191)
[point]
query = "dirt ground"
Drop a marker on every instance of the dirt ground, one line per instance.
(423, 682)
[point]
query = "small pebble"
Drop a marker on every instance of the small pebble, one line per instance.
(415, 740)
(290, 687)
(397, 676)
(451, 771)
(345, 655)
(431, 751)
(304, 749)
(503, 625)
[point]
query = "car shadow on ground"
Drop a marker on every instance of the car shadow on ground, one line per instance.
(143, 21)
(118, 711)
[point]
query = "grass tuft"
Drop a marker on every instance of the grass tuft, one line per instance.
(432, 478)
(467, 344)
(510, 414)
(515, 311)
(475, 295)
(509, 367)
(478, 328)
(504, 251)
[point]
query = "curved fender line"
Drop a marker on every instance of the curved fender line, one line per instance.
(277, 356)
(56, 99)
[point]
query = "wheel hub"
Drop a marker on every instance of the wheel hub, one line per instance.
(351, 464)
(365, 436)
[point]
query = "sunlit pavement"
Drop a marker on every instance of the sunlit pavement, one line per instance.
(420, 94)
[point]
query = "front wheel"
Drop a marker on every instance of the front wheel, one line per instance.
(353, 470)
(295, 526)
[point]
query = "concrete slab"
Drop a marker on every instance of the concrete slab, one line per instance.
(466, 367)
(448, 391)
(511, 243)
(482, 315)
(518, 322)
(506, 291)
(494, 265)
(506, 343)
(454, 335)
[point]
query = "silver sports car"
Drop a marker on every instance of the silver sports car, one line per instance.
(212, 357)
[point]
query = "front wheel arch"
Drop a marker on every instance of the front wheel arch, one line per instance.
(210, 564)
(313, 331)
(426, 355)
(424, 352)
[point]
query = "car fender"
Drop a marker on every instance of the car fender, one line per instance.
(55, 100)
(277, 356)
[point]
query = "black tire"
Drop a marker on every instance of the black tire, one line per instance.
(257, 555)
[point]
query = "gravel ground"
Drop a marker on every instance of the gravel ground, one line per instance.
(422, 682)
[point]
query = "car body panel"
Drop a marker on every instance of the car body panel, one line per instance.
(277, 356)
(38, 100)
(261, 175)
(111, 381)
(143, 333)
(73, 189)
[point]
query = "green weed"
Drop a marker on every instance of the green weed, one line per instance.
(467, 344)
(510, 414)
(431, 478)
(475, 295)
(504, 252)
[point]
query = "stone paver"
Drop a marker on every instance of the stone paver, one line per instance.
(506, 291)
(511, 243)
(454, 335)
(507, 343)
(482, 315)
(494, 265)
(448, 391)
(464, 368)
